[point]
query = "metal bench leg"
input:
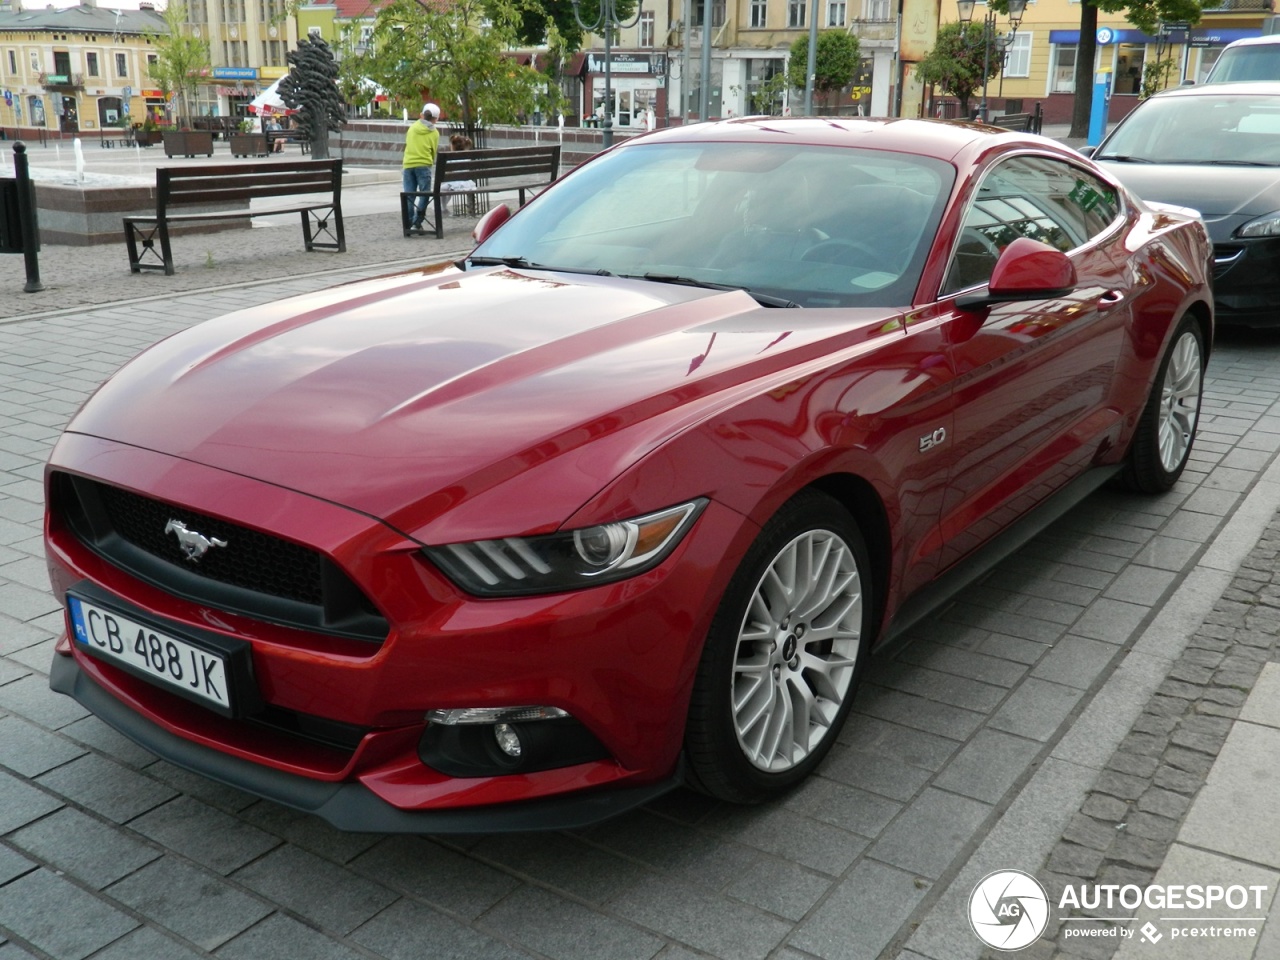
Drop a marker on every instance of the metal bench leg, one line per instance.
(439, 209)
(131, 240)
(165, 250)
(406, 203)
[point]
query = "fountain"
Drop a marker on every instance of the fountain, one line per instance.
(78, 149)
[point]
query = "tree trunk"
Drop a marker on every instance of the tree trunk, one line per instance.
(1086, 54)
(319, 133)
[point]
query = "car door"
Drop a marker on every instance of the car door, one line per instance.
(1031, 378)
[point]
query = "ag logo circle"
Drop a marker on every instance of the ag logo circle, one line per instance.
(1008, 910)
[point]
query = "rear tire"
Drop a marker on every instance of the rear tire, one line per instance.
(1167, 428)
(784, 654)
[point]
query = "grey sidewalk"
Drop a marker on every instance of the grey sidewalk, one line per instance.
(974, 749)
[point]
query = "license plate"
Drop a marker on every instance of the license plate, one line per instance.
(189, 670)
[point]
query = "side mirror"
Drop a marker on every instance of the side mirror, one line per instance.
(490, 222)
(1086, 151)
(1026, 270)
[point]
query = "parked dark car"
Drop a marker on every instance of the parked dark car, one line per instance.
(1216, 149)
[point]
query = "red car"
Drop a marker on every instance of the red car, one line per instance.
(623, 499)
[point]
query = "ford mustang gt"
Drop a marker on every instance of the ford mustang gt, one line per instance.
(624, 498)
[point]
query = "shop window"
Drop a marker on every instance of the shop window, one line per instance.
(1128, 75)
(1062, 70)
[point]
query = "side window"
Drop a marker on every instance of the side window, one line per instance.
(1048, 200)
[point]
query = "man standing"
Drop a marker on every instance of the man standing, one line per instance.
(420, 146)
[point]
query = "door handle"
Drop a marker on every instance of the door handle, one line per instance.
(1111, 298)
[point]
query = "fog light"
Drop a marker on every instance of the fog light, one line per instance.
(508, 739)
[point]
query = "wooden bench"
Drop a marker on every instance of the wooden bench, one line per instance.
(288, 136)
(206, 185)
(1015, 121)
(521, 169)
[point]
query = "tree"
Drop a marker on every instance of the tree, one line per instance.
(456, 52)
(1146, 15)
(180, 59)
(311, 88)
(955, 63)
(836, 62)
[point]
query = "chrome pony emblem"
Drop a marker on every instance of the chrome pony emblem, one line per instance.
(194, 545)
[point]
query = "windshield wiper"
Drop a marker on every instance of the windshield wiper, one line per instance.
(526, 264)
(764, 299)
(1238, 163)
(1123, 158)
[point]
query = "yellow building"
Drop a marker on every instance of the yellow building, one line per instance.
(248, 43)
(1041, 61)
(75, 69)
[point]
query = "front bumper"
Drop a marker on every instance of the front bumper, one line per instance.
(619, 658)
(347, 806)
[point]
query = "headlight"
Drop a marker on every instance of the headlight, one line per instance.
(1267, 226)
(568, 560)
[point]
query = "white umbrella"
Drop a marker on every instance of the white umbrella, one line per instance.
(269, 101)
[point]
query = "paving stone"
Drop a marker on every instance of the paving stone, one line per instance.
(30, 750)
(842, 806)
(58, 917)
(106, 787)
(964, 663)
(442, 877)
(411, 931)
(874, 774)
(1074, 860)
(711, 924)
(778, 830)
(988, 765)
(930, 832)
(1112, 621)
(1133, 765)
(1037, 709)
(941, 687)
(862, 914)
(781, 888)
(94, 733)
(916, 712)
(194, 904)
(562, 863)
(87, 849)
(1075, 662)
(283, 938)
(696, 855)
(31, 698)
(896, 742)
(21, 803)
(554, 927)
(308, 832)
(187, 826)
(147, 943)
(1087, 832)
(1163, 803)
(202, 788)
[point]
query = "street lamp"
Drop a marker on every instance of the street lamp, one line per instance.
(989, 38)
(606, 22)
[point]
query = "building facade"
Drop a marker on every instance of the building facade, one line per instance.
(76, 69)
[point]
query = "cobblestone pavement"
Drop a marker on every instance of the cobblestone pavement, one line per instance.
(987, 743)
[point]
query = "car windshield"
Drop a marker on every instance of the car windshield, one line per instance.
(1228, 130)
(1247, 63)
(796, 224)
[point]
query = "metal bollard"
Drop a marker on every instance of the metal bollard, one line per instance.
(27, 218)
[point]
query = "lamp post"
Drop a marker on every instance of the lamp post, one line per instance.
(606, 22)
(989, 38)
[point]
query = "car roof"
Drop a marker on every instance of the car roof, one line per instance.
(1255, 88)
(1254, 41)
(935, 138)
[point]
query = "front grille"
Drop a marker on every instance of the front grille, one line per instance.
(251, 560)
(255, 574)
(1224, 257)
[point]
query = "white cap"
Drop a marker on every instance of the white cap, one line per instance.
(432, 110)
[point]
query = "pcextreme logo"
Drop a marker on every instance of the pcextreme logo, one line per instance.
(1008, 909)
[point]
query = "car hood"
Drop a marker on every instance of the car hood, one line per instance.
(409, 396)
(1226, 196)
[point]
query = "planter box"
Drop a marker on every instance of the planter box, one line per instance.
(248, 144)
(145, 138)
(187, 143)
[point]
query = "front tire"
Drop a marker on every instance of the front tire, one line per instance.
(784, 654)
(1167, 427)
